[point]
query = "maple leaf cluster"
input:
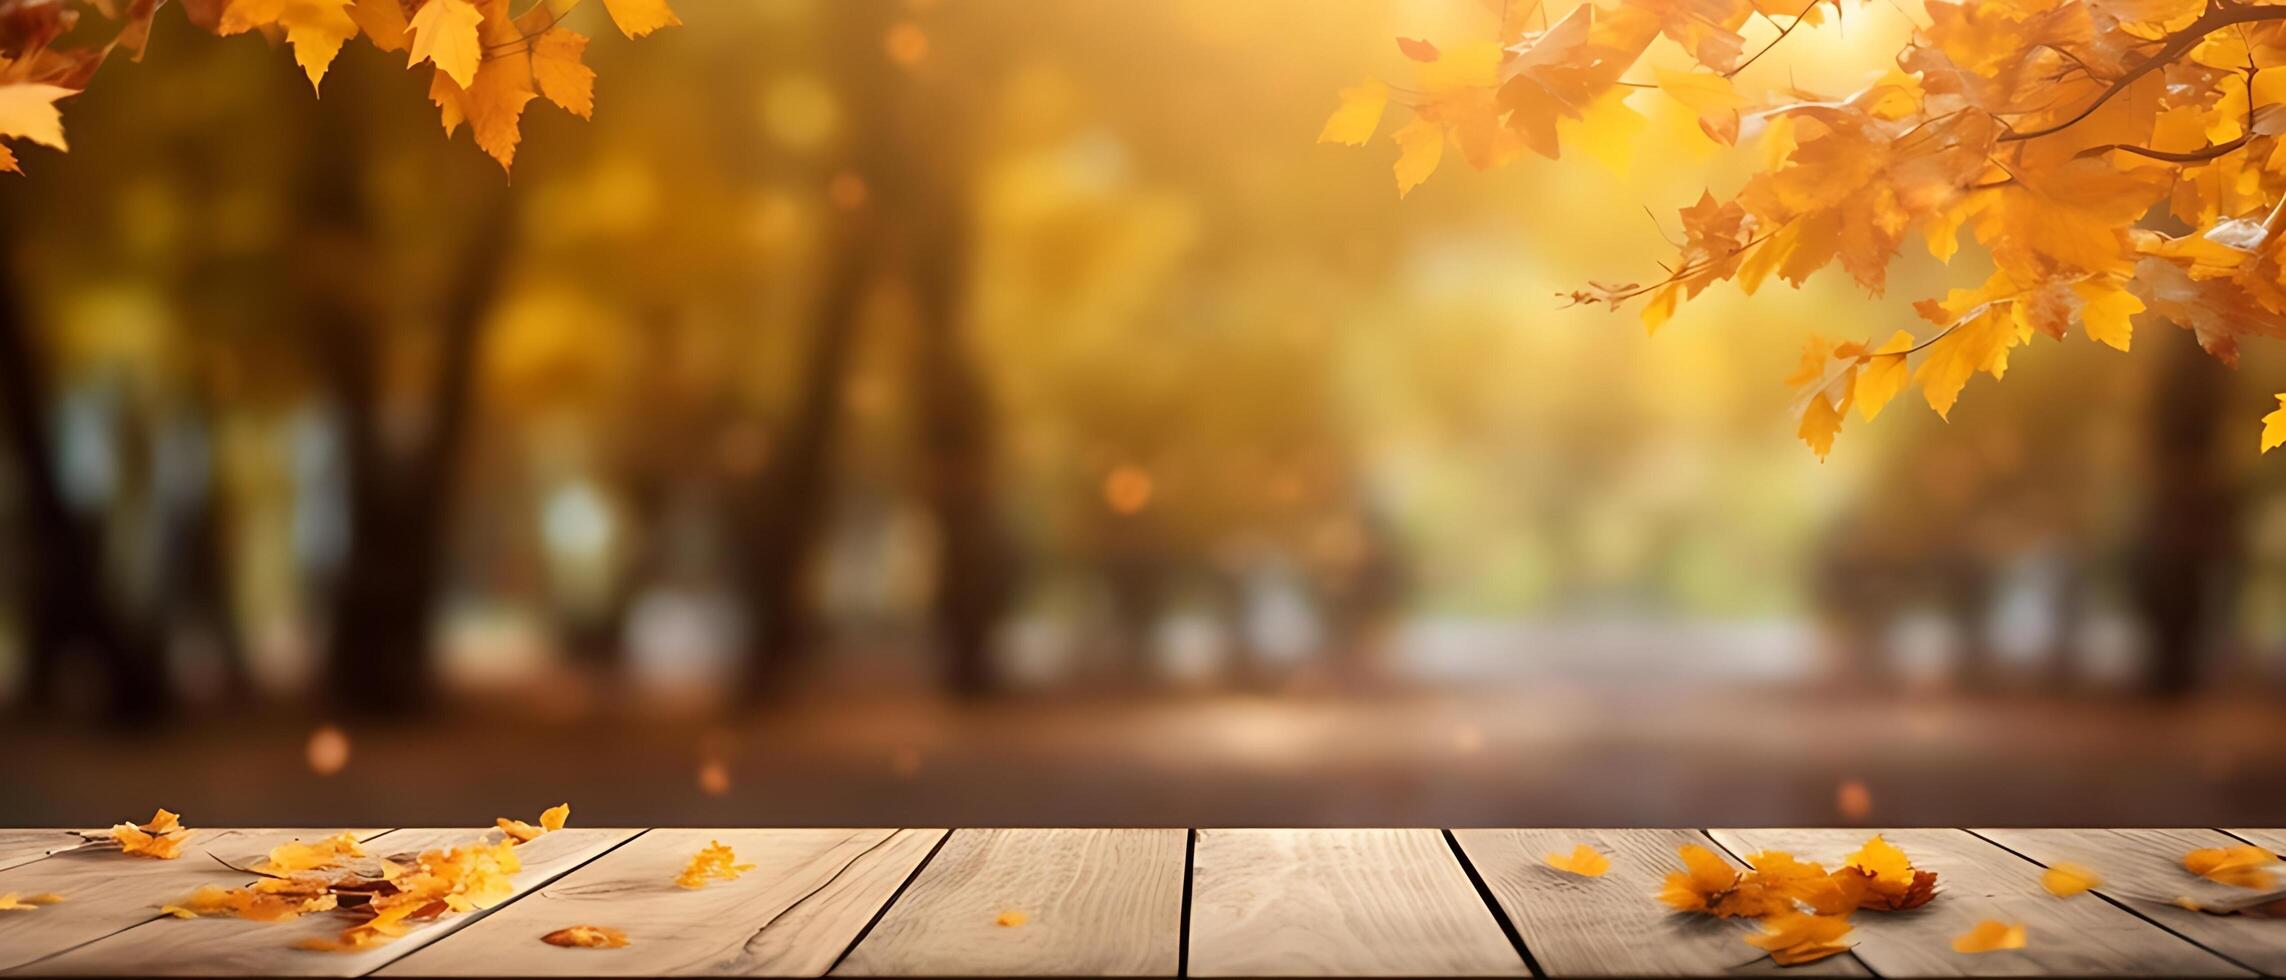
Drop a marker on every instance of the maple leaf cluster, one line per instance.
(2111, 157)
(1804, 909)
(385, 895)
(487, 62)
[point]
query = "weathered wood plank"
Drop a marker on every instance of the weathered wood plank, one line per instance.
(1978, 880)
(105, 891)
(25, 846)
(237, 947)
(1611, 926)
(810, 893)
(1092, 903)
(2273, 839)
(2143, 870)
(1339, 903)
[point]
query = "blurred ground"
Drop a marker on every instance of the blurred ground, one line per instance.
(1561, 746)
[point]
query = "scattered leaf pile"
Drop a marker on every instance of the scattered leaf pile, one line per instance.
(15, 902)
(712, 862)
(160, 838)
(586, 937)
(1804, 908)
(1584, 861)
(385, 895)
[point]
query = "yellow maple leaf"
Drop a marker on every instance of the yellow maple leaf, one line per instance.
(1420, 146)
(2065, 879)
(1710, 95)
(1883, 375)
(1359, 114)
(444, 34)
(293, 856)
(1011, 918)
(636, 18)
(2274, 427)
(715, 861)
(1989, 936)
(162, 837)
(586, 937)
(1584, 861)
(2107, 310)
(1702, 883)
(382, 21)
(1821, 422)
(560, 73)
(28, 111)
(17, 902)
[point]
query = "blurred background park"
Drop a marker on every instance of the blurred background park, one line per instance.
(1001, 412)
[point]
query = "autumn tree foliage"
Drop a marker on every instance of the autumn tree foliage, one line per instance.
(486, 62)
(2113, 158)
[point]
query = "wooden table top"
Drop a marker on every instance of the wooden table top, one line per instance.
(1143, 902)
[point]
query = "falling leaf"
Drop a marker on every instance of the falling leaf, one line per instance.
(1420, 145)
(636, 18)
(2242, 866)
(1584, 861)
(716, 861)
(586, 937)
(1358, 116)
(560, 74)
(1990, 935)
(444, 34)
(1011, 918)
(2064, 879)
(15, 902)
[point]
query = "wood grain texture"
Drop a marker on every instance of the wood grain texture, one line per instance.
(1093, 902)
(2273, 839)
(2143, 870)
(1977, 880)
(810, 893)
(237, 947)
(1339, 903)
(1610, 926)
(25, 846)
(105, 891)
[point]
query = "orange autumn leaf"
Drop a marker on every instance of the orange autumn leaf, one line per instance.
(465, 878)
(551, 819)
(2242, 866)
(161, 837)
(1705, 881)
(1990, 936)
(586, 937)
(2065, 879)
(293, 856)
(716, 861)
(1011, 918)
(18, 902)
(1792, 938)
(1880, 876)
(1584, 861)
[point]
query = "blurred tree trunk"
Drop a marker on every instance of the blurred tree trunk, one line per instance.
(401, 494)
(2185, 552)
(66, 603)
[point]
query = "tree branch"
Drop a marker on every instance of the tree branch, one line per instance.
(2178, 44)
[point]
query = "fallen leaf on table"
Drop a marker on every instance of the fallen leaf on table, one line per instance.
(162, 837)
(1991, 935)
(1583, 861)
(13, 902)
(2243, 866)
(1880, 876)
(715, 861)
(1792, 938)
(293, 856)
(2065, 879)
(586, 937)
(1705, 884)
(1012, 918)
(551, 819)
